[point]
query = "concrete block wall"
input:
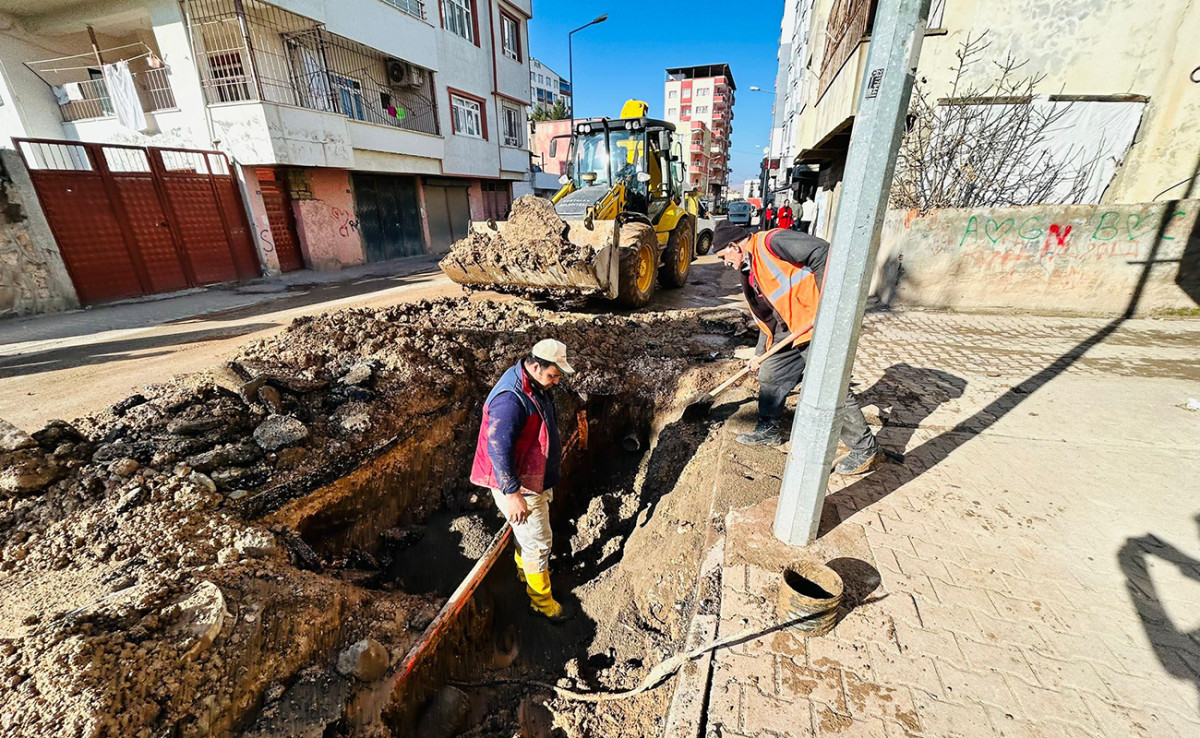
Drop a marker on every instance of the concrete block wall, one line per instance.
(1081, 259)
(33, 277)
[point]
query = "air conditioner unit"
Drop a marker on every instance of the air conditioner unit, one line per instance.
(416, 75)
(397, 72)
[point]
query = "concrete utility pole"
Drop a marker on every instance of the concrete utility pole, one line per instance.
(883, 104)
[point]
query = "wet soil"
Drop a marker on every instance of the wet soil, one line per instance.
(192, 560)
(533, 239)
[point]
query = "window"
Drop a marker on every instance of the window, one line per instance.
(687, 94)
(228, 76)
(672, 94)
(466, 116)
(512, 126)
(510, 36)
(456, 17)
(701, 109)
(412, 7)
(936, 13)
(703, 92)
(532, 78)
(671, 112)
(350, 94)
(685, 112)
(541, 80)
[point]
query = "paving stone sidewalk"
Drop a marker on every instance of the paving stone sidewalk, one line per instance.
(1032, 569)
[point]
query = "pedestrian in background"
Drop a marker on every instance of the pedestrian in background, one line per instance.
(808, 213)
(786, 219)
(768, 218)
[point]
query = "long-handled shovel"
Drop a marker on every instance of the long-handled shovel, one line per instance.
(699, 405)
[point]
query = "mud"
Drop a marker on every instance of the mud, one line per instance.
(186, 563)
(533, 239)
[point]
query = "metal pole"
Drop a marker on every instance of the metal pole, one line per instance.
(882, 106)
(571, 61)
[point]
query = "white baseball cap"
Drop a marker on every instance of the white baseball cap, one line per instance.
(553, 351)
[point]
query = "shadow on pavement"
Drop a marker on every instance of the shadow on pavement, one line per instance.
(890, 477)
(1177, 650)
(109, 351)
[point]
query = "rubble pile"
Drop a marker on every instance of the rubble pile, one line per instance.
(533, 239)
(138, 594)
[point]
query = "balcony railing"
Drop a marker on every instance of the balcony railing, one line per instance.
(415, 8)
(155, 88)
(252, 51)
(154, 91)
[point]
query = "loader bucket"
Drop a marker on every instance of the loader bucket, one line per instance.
(537, 252)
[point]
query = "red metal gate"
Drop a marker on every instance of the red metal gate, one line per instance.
(131, 220)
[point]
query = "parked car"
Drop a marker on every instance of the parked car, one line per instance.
(740, 213)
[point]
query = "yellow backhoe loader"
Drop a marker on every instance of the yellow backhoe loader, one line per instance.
(620, 206)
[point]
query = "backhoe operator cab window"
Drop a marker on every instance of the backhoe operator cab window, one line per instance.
(604, 158)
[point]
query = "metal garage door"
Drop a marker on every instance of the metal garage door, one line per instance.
(388, 215)
(449, 211)
(133, 221)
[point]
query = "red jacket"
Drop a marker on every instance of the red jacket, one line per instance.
(785, 217)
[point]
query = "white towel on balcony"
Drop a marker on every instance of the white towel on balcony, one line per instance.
(124, 95)
(74, 91)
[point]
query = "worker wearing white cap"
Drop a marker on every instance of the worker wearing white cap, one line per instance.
(518, 458)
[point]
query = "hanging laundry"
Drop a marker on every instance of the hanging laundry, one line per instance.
(391, 110)
(74, 91)
(60, 94)
(124, 96)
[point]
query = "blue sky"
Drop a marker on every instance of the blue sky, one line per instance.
(626, 57)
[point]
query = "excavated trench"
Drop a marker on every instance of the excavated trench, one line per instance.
(307, 587)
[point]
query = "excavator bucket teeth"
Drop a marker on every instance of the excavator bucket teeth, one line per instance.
(536, 251)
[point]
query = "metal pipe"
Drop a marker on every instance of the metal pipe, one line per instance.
(883, 104)
(447, 615)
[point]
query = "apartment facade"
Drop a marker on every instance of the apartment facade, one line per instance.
(1118, 77)
(699, 101)
(548, 86)
(360, 130)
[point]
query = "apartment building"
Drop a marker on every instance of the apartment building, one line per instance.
(1115, 77)
(699, 101)
(354, 131)
(548, 86)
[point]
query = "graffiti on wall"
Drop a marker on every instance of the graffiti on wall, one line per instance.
(345, 220)
(1059, 250)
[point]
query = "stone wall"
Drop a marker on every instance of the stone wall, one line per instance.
(33, 278)
(1085, 259)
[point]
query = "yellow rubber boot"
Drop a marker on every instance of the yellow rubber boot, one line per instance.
(520, 565)
(537, 584)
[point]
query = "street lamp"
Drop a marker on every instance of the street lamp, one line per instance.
(571, 60)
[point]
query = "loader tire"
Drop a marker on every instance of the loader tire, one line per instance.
(639, 256)
(677, 258)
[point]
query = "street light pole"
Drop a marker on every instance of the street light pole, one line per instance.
(571, 59)
(883, 104)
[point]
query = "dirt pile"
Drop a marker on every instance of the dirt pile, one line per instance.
(145, 588)
(533, 239)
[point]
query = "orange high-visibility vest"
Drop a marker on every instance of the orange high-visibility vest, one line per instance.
(792, 290)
